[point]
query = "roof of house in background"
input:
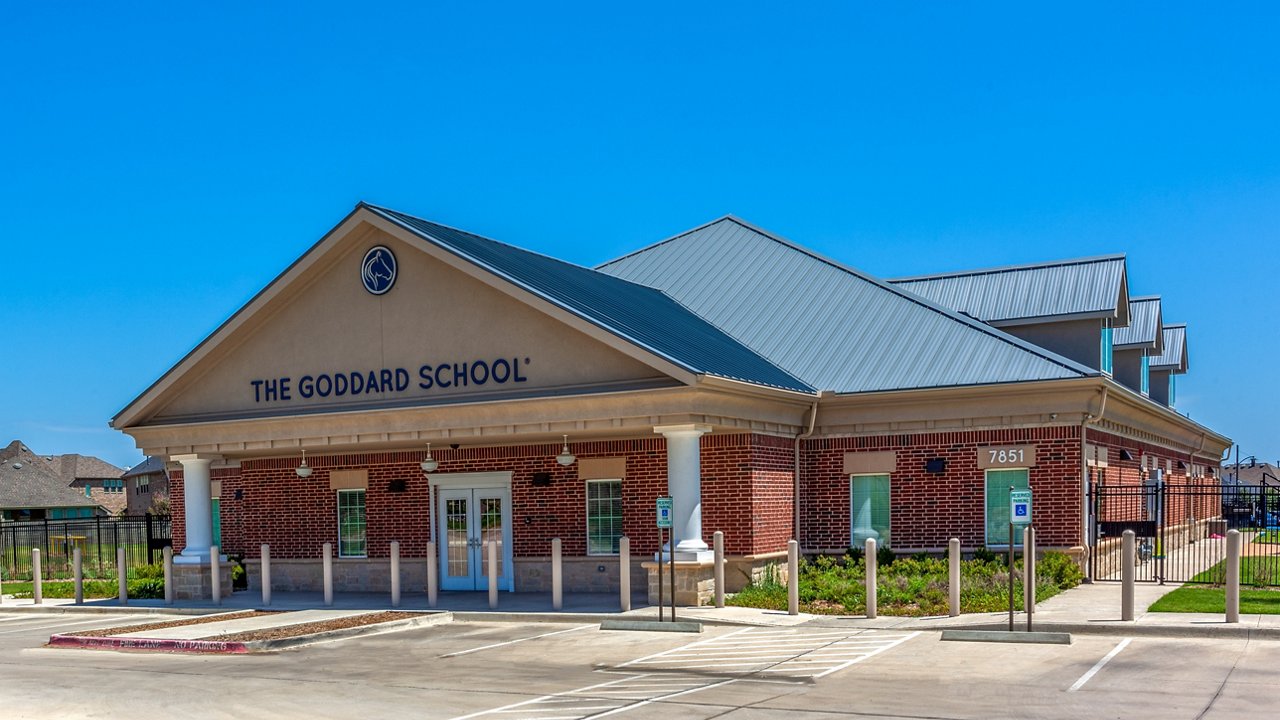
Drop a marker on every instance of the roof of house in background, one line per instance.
(832, 326)
(1145, 326)
(641, 315)
(1252, 474)
(151, 466)
(1174, 357)
(74, 466)
(28, 480)
(1042, 292)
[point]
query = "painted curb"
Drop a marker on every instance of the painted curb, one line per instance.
(1006, 636)
(652, 626)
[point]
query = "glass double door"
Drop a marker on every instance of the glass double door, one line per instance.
(469, 518)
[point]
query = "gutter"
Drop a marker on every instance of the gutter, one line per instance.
(1089, 419)
(795, 473)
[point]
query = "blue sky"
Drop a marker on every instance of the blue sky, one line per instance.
(160, 163)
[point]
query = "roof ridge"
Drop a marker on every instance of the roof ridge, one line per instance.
(729, 217)
(1010, 268)
(1144, 298)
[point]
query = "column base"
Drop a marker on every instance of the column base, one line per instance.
(192, 581)
(695, 582)
(196, 558)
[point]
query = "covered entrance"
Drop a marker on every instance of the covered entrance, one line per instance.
(473, 509)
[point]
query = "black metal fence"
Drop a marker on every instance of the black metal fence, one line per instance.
(143, 538)
(1181, 530)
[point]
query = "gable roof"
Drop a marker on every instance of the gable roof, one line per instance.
(28, 481)
(1174, 357)
(831, 326)
(151, 466)
(1145, 326)
(73, 466)
(1066, 289)
(641, 315)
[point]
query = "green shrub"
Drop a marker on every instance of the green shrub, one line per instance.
(982, 554)
(885, 556)
(148, 572)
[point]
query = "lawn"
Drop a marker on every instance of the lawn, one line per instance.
(1257, 575)
(915, 586)
(146, 581)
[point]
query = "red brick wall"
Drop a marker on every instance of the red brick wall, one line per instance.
(1181, 502)
(926, 510)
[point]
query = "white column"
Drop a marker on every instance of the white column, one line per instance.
(684, 484)
(197, 510)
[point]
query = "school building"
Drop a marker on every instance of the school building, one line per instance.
(403, 380)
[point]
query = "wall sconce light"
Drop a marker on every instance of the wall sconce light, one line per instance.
(935, 466)
(1125, 454)
(565, 457)
(303, 470)
(429, 463)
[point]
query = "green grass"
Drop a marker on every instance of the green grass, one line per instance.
(1257, 571)
(1214, 600)
(1268, 537)
(146, 581)
(908, 586)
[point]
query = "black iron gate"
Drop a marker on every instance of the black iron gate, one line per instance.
(1181, 530)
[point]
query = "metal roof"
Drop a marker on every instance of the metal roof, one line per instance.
(1174, 357)
(1087, 287)
(829, 325)
(1145, 325)
(641, 315)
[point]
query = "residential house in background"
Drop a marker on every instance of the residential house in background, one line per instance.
(32, 489)
(94, 478)
(146, 486)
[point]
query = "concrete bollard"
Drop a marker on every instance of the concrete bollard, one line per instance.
(77, 574)
(215, 571)
(326, 552)
(37, 582)
(1128, 571)
(1029, 570)
(718, 544)
(167, 554)
(624, 573)
(265, 554)
(491, 548)
(122, 577)
(395, 573)
(557, 576)
(870, 557)
(793, 577)
(953, 576)
(433, 579)
(1234, 542)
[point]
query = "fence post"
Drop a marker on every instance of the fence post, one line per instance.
(122, 577)
(557, 576)
(624, 573)
(215, 568)
(1233, 575)
(167, 556)
(77, 574)
(326, 552)
(953, 576)
(46, 534)
(492, 550)
(97, 539)
(433, 587)
(718, 544)
(871, 561)
(266, 574)
(1128, 547)
(395, 573)
(150, 554)
(37, 582)
(793, 577)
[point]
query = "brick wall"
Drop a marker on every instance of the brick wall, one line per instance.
(927, 509)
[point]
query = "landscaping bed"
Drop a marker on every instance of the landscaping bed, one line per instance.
(200, 620)
(910, 586)
(311, 628)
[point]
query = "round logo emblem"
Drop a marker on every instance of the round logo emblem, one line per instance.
(378, 271)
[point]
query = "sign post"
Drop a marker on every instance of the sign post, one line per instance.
(663, 516)
(1019, 514)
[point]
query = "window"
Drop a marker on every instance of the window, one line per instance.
(109, 486)
(998, 483)
(88, 491)
(351, 523)
(1171, 392)
(604, 516)
(1106, 348)
(870, 509)
(1146, 375)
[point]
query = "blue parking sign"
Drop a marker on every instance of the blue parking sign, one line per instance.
(1020, 507)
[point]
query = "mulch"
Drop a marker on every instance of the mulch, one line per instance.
(289, 631)
(200, 620)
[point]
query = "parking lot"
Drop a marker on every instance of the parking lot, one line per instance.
(496, 670)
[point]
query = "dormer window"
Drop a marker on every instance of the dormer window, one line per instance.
(1106, 347)
(1146, 374)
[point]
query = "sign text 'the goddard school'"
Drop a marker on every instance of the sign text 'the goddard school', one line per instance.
(475, 373)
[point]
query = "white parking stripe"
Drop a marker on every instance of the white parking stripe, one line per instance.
(517, 640)
(108, 621)
(1098, 665)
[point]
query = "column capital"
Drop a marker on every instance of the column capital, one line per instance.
(686, 430)
(194, 458)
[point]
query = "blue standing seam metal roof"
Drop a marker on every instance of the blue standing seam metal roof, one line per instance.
(1174, 357)
(1082, 287)
(642, 315)
(1145, 325)
(829, 325)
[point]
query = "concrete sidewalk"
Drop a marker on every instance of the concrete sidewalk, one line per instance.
(1091, 608)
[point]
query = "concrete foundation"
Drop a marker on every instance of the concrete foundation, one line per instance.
(195, 582)
(696, 584)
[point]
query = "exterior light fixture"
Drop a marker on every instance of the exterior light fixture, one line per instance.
(429, 463)
(565, 457)
(303, 470)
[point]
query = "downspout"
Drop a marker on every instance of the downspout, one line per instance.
(1089, 419)
(795, 472)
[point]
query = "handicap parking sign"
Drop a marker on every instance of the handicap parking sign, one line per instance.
(1020, 507)
(664, 512)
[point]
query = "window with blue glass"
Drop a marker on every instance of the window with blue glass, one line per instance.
(1146, 375)
(1171, 393)
(1106, 349)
